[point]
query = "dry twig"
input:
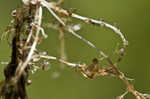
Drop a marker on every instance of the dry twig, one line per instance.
(25, 54)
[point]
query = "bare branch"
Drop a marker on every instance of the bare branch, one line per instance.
(86, 19)
(32, 55)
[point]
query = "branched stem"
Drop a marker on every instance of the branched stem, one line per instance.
(25, 54)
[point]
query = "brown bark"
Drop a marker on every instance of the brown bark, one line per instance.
(12, 89)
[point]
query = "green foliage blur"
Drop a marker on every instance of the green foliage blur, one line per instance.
(131, 16)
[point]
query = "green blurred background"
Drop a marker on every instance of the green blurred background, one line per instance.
(131, 16)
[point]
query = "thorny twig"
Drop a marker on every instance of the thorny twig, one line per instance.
(89, 71)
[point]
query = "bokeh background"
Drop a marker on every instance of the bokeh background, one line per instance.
(131, 16)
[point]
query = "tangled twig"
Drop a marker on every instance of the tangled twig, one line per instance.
(25, 54)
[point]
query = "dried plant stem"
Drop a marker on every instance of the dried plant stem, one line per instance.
(86, 19)
(59, 60)
(21, 67)
(62, 45)
(130, 87)
(59, 10)
(102, 72)
(120, 75)
(11, 90)
(72, 31)
(24, 49)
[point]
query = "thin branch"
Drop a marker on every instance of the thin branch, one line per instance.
(60, 60)
(123, 95)
(86, 19)
(62, 44)
(48, 6)
(92, 21)
(102, 23)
